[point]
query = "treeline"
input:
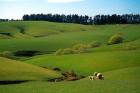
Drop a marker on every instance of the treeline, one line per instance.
(86, 20)
(75, 18)
(6, 20)
(117, 19)
(98, 19)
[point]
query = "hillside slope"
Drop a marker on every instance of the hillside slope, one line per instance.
(15, 70)
(86, 64)
(32, 29)
(118, 81)
(60, 35)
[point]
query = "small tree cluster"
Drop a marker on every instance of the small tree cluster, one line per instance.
(115, 39)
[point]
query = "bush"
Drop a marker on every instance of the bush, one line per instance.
(94, 44)
(7, 54)
(115, 39)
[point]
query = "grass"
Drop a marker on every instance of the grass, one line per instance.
(40, 28)
(73, 34)
(128, 83)
(86, 64)
(15, 70)
(120, 63)
(130, 73)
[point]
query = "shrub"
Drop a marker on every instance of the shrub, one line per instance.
(115, 39)
(94, 44)
(7, 54)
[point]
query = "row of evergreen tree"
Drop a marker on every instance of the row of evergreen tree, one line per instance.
(98, 19)
(75, 18)
(117, 19)
(87, 20)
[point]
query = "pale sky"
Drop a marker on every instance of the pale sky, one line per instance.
(17, 8)
(63, 1)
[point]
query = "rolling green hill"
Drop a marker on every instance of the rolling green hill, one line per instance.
(73, 34)
(14, 70)
(39, 28)
(86, 64)
(118, 81)
(120, 63)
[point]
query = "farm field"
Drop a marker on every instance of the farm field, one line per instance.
(119, 63)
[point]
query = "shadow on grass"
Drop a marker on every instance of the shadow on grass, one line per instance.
(8, 82)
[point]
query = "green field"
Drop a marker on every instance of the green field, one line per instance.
(15, 70)
(120, 63)
(118, 81)
(73, 34)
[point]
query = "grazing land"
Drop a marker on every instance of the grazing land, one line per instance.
(119, 63)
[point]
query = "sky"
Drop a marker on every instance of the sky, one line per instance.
(15, 9)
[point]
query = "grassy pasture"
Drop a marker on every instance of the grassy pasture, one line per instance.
(118, 81)
(86, 64)
(120, 63)
(40, 28)
(15, 70)
(73, 34)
